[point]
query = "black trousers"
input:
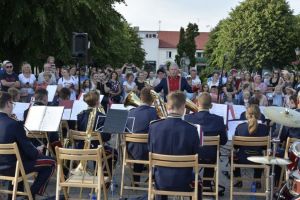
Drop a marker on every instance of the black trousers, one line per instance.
(187, 188)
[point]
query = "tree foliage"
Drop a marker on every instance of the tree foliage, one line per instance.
(187, 44)
(32, 30)
(257, 33)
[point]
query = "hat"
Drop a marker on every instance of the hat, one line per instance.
(6, 62)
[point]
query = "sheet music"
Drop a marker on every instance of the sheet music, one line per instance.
(78, 106)
(220, 110)
(262, 110)
(51, 92)
(19, 110)
(52, 118)
(238, 110)
(35, 117)
(232, 126)
(66, 114)
(200, 133)
(121, 107)
(101, 98)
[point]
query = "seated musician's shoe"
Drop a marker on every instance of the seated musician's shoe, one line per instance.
(258, 185)
(238, 184)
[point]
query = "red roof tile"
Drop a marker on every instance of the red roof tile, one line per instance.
(170, 39)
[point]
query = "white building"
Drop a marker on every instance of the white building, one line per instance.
(161, 46)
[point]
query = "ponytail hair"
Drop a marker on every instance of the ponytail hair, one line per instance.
(252, 115)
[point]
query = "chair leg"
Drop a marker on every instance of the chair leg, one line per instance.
(217, 181)
(231, 182)
(57, 183)
(122, 179)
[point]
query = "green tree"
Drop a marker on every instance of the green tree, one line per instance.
(257, 33)
(32, 30)
(187, 44)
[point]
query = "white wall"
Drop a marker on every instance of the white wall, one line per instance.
(163, 55)
(150, 45)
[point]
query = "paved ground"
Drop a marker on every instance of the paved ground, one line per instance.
(224, 181)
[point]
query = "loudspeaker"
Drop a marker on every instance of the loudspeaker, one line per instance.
(79, 45)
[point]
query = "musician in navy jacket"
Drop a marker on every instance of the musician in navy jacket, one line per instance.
(211, 125)
(174, 136)
(250, 129)
(33, 160)
(142, 115)
(173, 82)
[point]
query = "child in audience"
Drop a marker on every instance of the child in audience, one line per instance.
(278, 96)
(246, 98)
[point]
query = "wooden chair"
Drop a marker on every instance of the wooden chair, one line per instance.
(40, 135)
(254, 142)
(84, 180)
(212, 141)
(81, 136)
(160, 160)
(129, 161)
(19, 175)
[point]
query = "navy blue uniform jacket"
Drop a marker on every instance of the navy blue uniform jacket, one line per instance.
(13, 131)
(143, 116)
(212, 125)
(163, 85)
(173, 136)
(242, 130)
(82, 121)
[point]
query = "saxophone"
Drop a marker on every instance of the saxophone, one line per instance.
(159, 104)
(81, 168)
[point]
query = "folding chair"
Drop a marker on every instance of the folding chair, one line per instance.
(85, 180)
(40, 135)
(212, 141)
(19, 175)
(81, 136)
(129, 161)
(253, 142)
(160, 160)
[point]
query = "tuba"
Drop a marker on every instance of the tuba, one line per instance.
(159, 104)
(80, 169)
(132, 100)
(191, 105)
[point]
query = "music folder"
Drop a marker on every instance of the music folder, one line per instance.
(44, 118)
(115, 121)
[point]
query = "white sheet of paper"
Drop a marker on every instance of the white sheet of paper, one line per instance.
(200, 134)
(19, 110)
(220, 110)
(67, 114)
(101, 98)
(52, 118)
(78, 106)
(232, 126)
(121, 107)
(51, 92)
(262, 110)
(35, 117)
(238, 110)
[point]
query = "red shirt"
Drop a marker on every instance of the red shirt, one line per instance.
(174, 83)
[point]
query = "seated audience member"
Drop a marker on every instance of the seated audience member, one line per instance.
(27, 81)
(115, 88)
(174, 136)
(257, 83)
(142, 115)
(256, 102)
(251, 128)
(47, 69)
(92, 100)
(41, 99)
(246, 98)
(160, 74)
(289, 91)
(9, 78)
(103, 87)
(15, 94)
(33, 160)
(129, 85)
(214, 94)
(140, 82)
(67, 81)
(46, 81)
(85, 86)
(214, 81)
(263, 101)
(278, 96)
(212, 125)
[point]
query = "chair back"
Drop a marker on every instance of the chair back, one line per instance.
(251, 141)
(211, 140)
(136, 138)
(81, 136)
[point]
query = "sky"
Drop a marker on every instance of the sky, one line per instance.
(170, 15)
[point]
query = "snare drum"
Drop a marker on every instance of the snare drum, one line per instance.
(294, 155)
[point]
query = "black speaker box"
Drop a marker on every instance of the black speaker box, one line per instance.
(79, 45)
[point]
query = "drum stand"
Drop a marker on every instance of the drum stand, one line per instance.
(275, 142)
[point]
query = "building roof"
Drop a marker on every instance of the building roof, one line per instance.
(170, 39)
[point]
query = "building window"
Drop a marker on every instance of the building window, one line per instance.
(154, 35)
(199, 55)
(169, 54)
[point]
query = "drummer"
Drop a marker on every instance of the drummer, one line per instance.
(251, 128)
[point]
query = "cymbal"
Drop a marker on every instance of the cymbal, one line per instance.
(283, 116)
(268, 160)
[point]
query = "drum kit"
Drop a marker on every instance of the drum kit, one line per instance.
(291, 189)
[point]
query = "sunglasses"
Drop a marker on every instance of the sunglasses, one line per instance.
(9, 66)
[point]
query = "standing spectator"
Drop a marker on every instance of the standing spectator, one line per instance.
(27, 81)
(278, 96)
(9, 78)
(47, 68)
(140, 82)
(103, 87)
(129, 85)
(259, 84)
(229, 88)
(160, 75)
(66, 81)
(115, 88)
(196, 82)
